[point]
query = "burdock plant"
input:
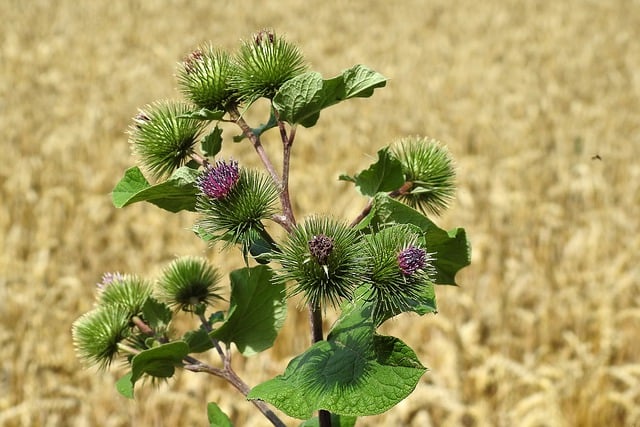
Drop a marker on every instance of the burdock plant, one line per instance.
(384, 262)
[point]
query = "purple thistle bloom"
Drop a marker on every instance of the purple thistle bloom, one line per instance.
(217, 181)
(411, 260)
(320, 248)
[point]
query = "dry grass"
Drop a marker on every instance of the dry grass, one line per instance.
(545, 329)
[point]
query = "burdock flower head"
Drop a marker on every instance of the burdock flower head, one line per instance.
(217, 181)
(412, 259)
(98, 333)
(161, 139)
(325, 260)
(399, 270)
(429, 172)
(189, 283)
(233, 201)
(263, 64)
(203, 77)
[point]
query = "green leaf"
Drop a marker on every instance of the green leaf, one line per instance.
(299, 97)
(360, 81)
(159, 361)
(125, 386)
(199, 341)
(156, 314)
(336, 421)
(452, 250)
(383, 175)
(175, 194)
(354, 373)
(212, 143)
(257, 311)
(203, 114)
(216, 417)
(300, 100)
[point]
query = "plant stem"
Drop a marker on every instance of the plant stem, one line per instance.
(404, 189)
(287, 143)
(230, 376)
(257, 145)
(315, 317)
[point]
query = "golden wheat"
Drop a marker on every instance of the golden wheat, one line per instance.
(545, 329)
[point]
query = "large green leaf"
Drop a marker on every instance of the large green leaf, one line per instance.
(300, 100)
(257, 310)
(175, 194)
(354, 373)
(383, 175)
(451, 248)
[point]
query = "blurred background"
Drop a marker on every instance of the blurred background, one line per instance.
(539, 103)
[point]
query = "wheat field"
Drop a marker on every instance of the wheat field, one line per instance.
(539, 102)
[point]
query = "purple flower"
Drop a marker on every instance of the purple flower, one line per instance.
(109, 278)
(411, 260)
(320, 247)
(217, 181)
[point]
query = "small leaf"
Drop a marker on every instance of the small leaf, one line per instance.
(354, 373)
(175, 194)
(360, 81)
(212, 143)
(257, 311)
(452, 250)
(159, 361)
(203, 114)
(125, 386)
(216, 417)
(299, 97)
(383, 175)
(198, 341)
(156, 314)
(300, 100)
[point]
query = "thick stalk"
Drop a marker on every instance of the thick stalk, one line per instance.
(315, 317)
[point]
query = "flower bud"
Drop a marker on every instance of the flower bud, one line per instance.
(127, 291)
(187, 283)
(96, 334)
(263, 64)
(203, 77)
(429, 170)
(161, 140)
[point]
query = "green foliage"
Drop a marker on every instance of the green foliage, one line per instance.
(301, 99)
(354, 372)
(216, 417)
(175, 194)
(383, 175)
(257, 311)
(385, 263)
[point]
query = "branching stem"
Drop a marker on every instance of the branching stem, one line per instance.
(228, 374)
